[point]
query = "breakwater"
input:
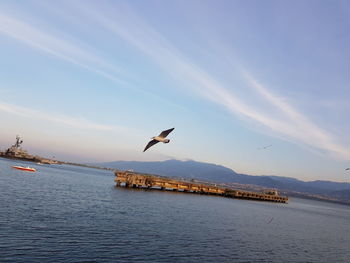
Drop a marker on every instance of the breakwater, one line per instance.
(137, 180)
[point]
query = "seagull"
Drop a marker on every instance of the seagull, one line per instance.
(265, 147)
(159, 138)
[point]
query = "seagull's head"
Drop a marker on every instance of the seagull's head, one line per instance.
(166, 141)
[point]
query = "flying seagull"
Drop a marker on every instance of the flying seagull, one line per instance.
(265, 147)
(159, 138)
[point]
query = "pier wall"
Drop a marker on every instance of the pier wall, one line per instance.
(136, 180)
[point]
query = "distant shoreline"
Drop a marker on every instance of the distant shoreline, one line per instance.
(290, 193)
(55, 162)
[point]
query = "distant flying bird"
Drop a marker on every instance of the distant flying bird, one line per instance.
(347, 169)
(159, 138)
(265, 147)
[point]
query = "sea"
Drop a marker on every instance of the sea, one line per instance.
(66, 213)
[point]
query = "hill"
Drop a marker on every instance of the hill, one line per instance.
(217, 173)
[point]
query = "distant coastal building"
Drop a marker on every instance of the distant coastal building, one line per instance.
(16, 152)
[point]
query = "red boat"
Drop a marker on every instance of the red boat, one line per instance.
(28, 169)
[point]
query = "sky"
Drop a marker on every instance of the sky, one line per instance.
(93, 81)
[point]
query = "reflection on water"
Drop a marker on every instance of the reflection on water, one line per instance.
(75, 214)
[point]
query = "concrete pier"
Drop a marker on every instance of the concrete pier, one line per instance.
(136, 180)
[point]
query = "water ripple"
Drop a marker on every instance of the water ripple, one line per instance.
(74, 214)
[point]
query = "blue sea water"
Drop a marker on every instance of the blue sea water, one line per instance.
(73, 214)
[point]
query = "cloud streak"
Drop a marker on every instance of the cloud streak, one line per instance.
(74, 122)
(293, 126)
(58, 47)
(298, 126)
(68, 51)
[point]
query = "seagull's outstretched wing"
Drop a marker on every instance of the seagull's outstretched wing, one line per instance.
(347, 169)
(165, 133)
(150, 144)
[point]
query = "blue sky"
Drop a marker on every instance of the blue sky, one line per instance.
(94, 80)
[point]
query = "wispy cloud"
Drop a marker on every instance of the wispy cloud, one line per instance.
(59, 48)
(297, 125)
(74, 122)
(68, 51)
(293, 126)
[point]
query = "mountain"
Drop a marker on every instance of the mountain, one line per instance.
(217, 173)
(175, 168)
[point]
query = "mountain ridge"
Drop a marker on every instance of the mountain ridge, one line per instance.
(191, 169)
